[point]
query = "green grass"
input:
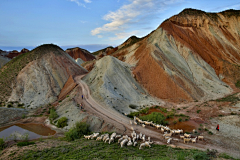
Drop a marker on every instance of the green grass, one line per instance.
(156, 117)
(80, 129)
(92, 149)
(231, 98)
(9, 71)
(2, 144)
(25, 143)
(143, 111)
(62, 122)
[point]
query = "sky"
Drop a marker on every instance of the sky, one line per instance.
(89, 24)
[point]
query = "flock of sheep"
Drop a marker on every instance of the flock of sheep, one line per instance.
(122, 140)
(134, 138)
(167, 132)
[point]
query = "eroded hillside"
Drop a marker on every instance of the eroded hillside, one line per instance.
(191, 56)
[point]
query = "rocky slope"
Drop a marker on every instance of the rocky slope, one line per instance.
(80, 53)
(3, 61)
(191, 56)
(37, 77)
(112, 84)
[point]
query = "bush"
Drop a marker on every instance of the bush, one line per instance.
(156, 117)
(2, 144)
(180, 119)
(201, 156)
(132, 114)
(62, 122)
(174, 122)
(209, 132)
(53, 114)
(80, 129)
(25, 143)
(144, 111)
(198, 111)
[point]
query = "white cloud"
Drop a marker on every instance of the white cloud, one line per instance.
(99, 36)
(87, 1)
(78, 3)
(123, 35)
(130, 14)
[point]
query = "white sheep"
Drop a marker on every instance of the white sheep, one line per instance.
(106, 139)
(200, 137)
(123, 142)
(187, 135)
(130, 122)
(94, 135)
(87, 137)
(169, 140)
(143, 125)
(194, 140)
(135, 143)
(181, 137)
(111, 140)
(121, 139)
(186, 140)
(168, 134)
(162, 130)
(118, 136)
(134, 139)
(129, 142)
(145, 144)
(113, 135)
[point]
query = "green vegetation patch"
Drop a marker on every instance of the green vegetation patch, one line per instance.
(156, 117)
(80, 129)
(92, 149)
(231, 98)
(25, 143)
(2, 144)
(143, 111)
(62, 122)
(237, 84)
(53, 114)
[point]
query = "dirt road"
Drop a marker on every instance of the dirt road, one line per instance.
(122, 123)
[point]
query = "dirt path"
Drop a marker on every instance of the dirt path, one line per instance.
(122, 123)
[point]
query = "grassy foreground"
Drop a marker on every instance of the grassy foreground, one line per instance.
(92, 149)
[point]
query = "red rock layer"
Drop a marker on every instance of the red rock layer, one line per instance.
(80, 53)
(67, 88)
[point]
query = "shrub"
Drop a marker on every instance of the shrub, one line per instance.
(156, 117)
(23, 116)
(174, 122)
(209, 132)
(201, 156)
(132, 114)
(198, 111)
(180, 119)
(62, 122)
(164, 110)
(25, 143)
(2, 144)
(53, 114)
(80, 129)
(144, 111)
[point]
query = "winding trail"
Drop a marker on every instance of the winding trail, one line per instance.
(122, 123)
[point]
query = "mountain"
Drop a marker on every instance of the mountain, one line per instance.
(80, 53)
(191, 56)
(113, 84)
(36, 78)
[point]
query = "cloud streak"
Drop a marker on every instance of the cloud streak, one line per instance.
(79, 3)
(131, 14)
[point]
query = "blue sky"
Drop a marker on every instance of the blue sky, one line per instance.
(90, 24)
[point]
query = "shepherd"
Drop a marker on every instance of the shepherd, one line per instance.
(217, 127)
